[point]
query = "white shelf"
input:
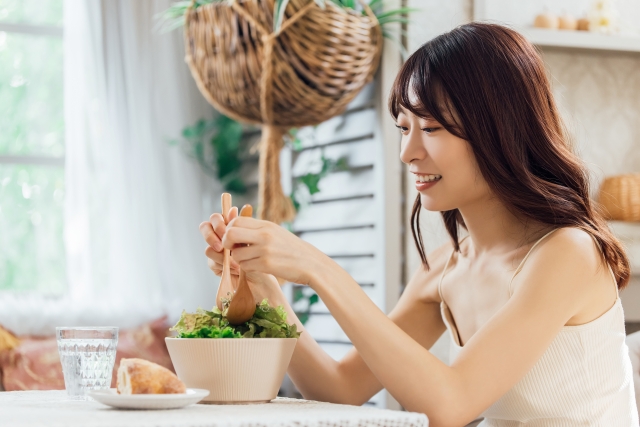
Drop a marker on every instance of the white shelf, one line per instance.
(581, 40)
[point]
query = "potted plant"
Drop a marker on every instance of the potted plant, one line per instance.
(281, 64)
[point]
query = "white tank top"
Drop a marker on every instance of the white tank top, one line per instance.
(583, 379)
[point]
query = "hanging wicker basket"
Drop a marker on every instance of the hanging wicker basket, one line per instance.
(620, 197)
(303, 75)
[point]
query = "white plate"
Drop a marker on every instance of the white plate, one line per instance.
(111, 397)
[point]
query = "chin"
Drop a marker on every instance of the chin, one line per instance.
(436, 204)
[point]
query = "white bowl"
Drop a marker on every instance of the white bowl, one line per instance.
(234, 370)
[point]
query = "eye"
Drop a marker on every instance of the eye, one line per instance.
(429, 130)
(403, 129)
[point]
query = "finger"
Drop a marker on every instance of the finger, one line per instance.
(233, 213)
(218, 258)
(254, 265)
(252, 223)
(214, 266)
(246, 253)
(219, 228)
(236, 236)
(217, 268)
(214, 255)
(206, 229)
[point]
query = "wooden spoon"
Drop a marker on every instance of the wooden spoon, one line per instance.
(225, 290)
(242, 305)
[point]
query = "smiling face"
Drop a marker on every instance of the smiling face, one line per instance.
(446, 171)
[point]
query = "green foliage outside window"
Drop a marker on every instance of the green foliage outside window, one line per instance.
(33, 12)
(31, 113)
(31, 225)
(32, 254)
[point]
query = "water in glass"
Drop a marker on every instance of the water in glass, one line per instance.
(87, 356)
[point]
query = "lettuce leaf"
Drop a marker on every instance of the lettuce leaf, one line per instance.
(267, 322)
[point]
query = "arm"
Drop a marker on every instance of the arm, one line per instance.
(351, 381)
(318, 376)
(551, 292)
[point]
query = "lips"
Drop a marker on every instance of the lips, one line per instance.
(426, 181)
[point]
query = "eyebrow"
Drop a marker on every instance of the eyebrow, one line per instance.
(403, 110)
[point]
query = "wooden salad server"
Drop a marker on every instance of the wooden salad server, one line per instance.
(242, 305)
(225, 290)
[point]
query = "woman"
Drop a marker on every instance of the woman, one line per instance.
(530, 297)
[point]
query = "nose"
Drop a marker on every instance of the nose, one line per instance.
(412, 148)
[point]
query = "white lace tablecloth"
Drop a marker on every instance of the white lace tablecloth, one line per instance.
(52, 409)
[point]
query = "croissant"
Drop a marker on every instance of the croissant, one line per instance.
(139, 376)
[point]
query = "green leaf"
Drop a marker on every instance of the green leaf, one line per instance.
(298, 294)
(396, 12)
(235, 185)
(303, 317)
(294, 201)
(314, 299)
(278, 14)
(375, 5)
(350, 4)
(216, 145)
(311, 180)
(341, 164)
(391, 20)
(267, 322)
(190, 322)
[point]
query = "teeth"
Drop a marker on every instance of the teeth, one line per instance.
(428, 178)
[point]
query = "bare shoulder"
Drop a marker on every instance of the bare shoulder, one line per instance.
(571, 244)
(424, 283)
(566, 265)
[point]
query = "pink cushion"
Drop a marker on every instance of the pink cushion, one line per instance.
(35, 363)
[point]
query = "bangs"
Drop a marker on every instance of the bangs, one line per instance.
(419, 89)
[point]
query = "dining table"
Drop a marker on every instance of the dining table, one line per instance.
(53, 408)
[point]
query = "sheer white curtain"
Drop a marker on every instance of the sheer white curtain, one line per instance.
(133, 202)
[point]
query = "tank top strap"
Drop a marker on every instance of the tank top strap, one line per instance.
(525, 259)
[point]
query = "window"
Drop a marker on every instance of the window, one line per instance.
(32, 256)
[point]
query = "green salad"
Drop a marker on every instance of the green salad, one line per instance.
(267, 322)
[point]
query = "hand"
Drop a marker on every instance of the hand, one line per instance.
(262, 246)
(261, 285)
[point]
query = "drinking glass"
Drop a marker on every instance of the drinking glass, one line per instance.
(87, 355)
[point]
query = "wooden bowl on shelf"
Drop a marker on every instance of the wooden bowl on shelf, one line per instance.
(620, 197)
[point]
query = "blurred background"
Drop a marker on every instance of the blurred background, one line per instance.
(110, 157)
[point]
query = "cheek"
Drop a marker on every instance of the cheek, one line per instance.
(462, 184)
(467, 175)
(456, 163)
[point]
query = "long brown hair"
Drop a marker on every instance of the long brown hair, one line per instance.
(487, 84)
